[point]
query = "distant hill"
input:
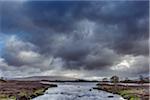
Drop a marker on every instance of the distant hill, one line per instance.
(49, 78)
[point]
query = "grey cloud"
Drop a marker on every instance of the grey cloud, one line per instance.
(13, 48)
(136, 65)
(84, 35)
(101, 58)
(141, 65)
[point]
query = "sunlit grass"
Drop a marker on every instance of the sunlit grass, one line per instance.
(129, 94)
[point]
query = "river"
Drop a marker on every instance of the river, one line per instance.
(77, 91)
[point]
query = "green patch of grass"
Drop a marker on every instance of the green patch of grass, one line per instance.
(22, 93)
(39, 91)
(128, 95)
(6, 97)
(134, 98)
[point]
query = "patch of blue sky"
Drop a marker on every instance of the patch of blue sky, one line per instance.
(2, 43)
(1, 46)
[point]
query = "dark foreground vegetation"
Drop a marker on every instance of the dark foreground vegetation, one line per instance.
(22, 90)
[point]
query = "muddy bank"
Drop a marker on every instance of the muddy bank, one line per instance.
(22, 90)
(134, 92)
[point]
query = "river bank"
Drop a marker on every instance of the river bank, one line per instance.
(22, 90)
(129, 92)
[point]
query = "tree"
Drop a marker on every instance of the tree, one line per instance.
(141, 79)
(2, 79)
(104, 79)
(126, 80)
(114, 79)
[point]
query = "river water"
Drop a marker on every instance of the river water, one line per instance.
(77, 91)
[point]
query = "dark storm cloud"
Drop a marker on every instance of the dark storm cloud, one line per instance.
(131, 19)
(89, 35)
(52, 15)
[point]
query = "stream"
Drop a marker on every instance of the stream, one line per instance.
(77, 91)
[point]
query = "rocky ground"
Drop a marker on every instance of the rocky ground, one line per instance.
(22, 90)
(129, 92)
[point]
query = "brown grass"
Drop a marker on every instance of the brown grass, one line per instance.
(19, 89)
(128, 92)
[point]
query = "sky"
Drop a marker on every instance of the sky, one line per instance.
(82, 39)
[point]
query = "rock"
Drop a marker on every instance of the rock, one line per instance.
(110, 96)
(33, 96)
(79, 96)
(23, 98)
